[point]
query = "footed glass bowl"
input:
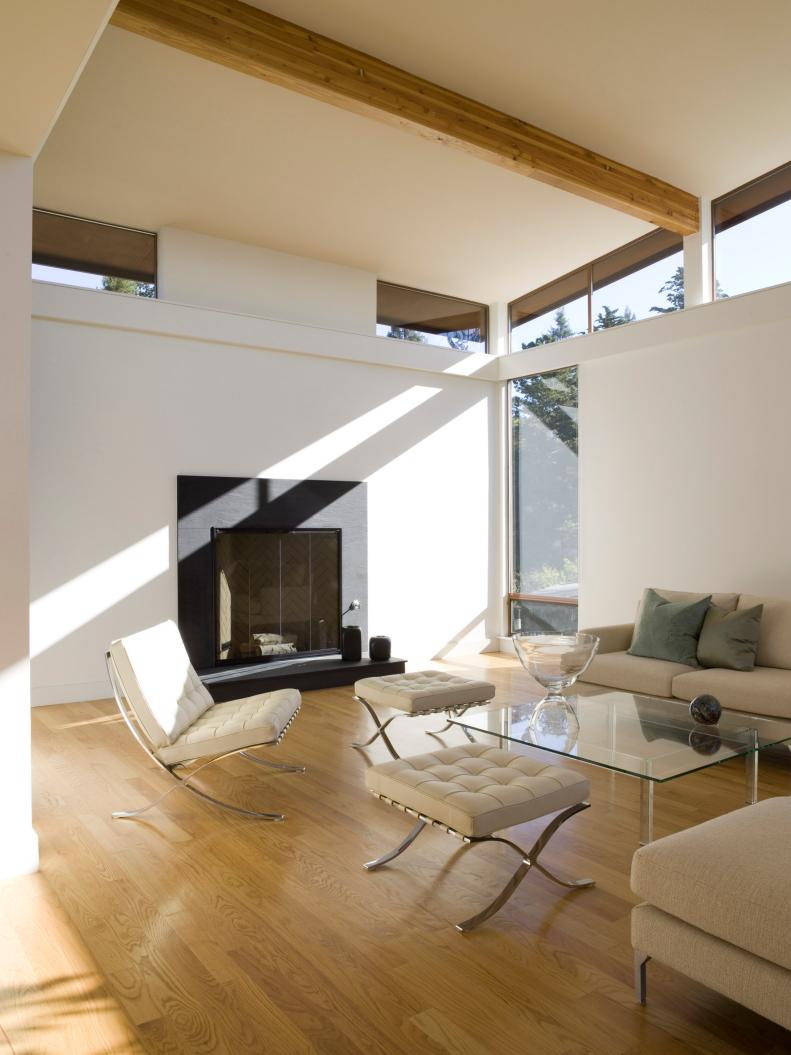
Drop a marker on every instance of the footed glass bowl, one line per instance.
(555, 660)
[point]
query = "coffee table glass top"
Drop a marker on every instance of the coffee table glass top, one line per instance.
(645, 737)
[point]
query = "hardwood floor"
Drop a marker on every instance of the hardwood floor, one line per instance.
(215, 933)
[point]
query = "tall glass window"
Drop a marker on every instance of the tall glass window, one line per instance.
(544, 517)
(752, 234)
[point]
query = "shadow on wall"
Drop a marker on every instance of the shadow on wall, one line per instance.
(423, 500)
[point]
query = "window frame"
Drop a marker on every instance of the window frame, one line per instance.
(675, 244)
(512, 595)
(146, 273)
(484, 309)
(749, 204)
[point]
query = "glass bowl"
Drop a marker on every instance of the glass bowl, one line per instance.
(555, 660)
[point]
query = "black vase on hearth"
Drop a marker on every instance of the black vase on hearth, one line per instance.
(351, 643)
(379, 648)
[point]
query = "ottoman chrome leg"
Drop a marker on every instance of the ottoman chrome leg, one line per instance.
(380, 728)
(640, 980)
(528, 860)
(457, 712)
(371, 865)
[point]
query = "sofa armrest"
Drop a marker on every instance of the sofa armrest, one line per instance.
(612, 638)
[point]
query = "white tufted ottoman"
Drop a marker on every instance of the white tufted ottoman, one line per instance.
(472, 792)
(416, 693)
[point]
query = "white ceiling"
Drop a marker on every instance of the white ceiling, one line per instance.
(43, 44)
(695, 93)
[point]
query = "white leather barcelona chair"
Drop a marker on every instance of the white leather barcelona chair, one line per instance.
(174, 719)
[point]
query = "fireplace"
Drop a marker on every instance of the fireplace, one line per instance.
(277, 594)
(265, 568)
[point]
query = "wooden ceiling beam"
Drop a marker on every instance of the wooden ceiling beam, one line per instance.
(254, 42)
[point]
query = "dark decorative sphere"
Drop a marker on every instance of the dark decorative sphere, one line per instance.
(705, 709)
(704, 743)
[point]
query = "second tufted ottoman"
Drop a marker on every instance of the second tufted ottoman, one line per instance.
(474, 791)
(418, 692)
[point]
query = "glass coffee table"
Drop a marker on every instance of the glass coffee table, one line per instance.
(652, 739)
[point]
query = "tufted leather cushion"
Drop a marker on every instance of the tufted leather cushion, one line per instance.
(160, 682)
(423, 690)
(234, 725)
(477, 790)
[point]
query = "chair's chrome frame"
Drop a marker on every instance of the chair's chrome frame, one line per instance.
(137, 730)
(529, 857)
(381, 727)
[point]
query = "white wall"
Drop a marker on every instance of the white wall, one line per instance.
(684, 465)
(127, 394)
(18, 843)
(248, 279)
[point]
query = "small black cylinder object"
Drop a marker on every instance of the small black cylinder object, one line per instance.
(705, 709)
(379, 648)
(351, 643)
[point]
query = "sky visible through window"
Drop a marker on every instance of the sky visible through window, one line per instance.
(755, 254)
(65, 277)
(749, 256)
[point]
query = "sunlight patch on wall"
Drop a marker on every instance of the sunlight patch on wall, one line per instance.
(76, 602)
(327, 449)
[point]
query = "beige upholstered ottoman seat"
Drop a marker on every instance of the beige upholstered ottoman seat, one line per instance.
(474, 791)
(716, 906)
(416, 693)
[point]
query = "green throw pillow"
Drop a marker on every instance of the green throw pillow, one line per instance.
(730, 639)
(669, 629)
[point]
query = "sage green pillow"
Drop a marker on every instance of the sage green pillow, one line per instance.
(730, 639)
(669, 629)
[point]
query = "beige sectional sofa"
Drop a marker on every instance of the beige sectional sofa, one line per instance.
(764, 690)
(715, 906)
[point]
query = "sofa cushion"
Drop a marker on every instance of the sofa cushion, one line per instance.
(728, 601)
(619, 670)
(669, 629)
(763, 690)
(774, 642)
(730, 639)
(728, 877)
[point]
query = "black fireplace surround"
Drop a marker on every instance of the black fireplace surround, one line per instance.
(212, 506)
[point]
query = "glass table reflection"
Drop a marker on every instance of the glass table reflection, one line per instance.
(652, 739)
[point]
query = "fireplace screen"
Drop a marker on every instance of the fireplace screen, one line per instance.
(277, 593)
